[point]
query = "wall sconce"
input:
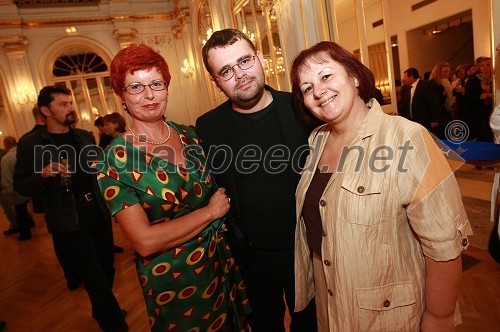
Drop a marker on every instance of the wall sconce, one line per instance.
(85, 117)
(70, 30)
(25, 95)
(186, 69)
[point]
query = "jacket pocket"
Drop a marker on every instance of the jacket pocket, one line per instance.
(361, 200)
(391, 307)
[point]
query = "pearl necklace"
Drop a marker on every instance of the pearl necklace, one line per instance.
(143, 140)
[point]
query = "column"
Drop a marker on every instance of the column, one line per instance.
(21, 92)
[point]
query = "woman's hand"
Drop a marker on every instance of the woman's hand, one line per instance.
(219, 204)
(432, 323)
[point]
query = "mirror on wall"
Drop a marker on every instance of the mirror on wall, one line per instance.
(260, 24)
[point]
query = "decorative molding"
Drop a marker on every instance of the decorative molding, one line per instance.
(181, 18)
(54, 3)
(14, 43)
(27, 23)
(125, 36)
(268, 6)
(156, 41)
(177, 32)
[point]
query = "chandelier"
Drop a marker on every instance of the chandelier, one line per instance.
(277, 68)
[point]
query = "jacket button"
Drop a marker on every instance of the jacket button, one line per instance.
(330, 292)
(327, 262)
(465, 242)
(322, 202)
(361, 189)
(387, 303)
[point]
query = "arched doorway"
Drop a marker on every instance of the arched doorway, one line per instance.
(83, 67)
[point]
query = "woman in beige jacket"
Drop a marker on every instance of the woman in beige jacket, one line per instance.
(380, 221)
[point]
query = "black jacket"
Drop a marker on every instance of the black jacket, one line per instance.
(60, 209)
(214, 129)
(425, 104)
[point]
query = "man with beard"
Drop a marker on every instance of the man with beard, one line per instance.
(54, 164)
(255, 147)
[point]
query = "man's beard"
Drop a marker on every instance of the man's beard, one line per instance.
(255, 92)
(70, 119)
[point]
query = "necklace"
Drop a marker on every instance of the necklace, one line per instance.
(142, 138)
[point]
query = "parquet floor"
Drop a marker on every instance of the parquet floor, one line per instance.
(34, 297)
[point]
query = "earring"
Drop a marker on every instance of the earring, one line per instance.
(125, 107)
(356, 83)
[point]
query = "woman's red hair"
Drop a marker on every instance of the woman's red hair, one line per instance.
(134, 58)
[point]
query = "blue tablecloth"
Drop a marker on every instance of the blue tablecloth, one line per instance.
(471, 150)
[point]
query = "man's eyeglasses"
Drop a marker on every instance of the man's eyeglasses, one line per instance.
(228, 72)
(136, 88)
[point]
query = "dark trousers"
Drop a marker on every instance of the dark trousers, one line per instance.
(88, 254)
(270, 282)
(23, 219)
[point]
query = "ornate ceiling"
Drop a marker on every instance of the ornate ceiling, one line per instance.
(54, 3)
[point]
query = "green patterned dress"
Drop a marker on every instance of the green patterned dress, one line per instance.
(195, 286)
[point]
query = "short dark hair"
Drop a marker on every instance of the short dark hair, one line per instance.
(413, 72)
(322, 52)
(116, 118)
(98, 122)
(223, 38)
(46, 95)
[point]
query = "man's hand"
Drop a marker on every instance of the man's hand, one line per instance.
(53, 169)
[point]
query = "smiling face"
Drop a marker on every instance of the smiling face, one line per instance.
(149, 105)
(328, 91)
(246, 87)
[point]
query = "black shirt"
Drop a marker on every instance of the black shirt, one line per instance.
(264, 183)
(310, 210)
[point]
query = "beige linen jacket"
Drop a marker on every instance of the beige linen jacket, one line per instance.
(392, 200)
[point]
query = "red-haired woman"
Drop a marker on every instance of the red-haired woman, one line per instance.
(380, 221)
(166, 209)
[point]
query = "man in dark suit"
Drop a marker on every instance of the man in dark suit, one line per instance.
(76, 214)
(419, 101)
(266, 145)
